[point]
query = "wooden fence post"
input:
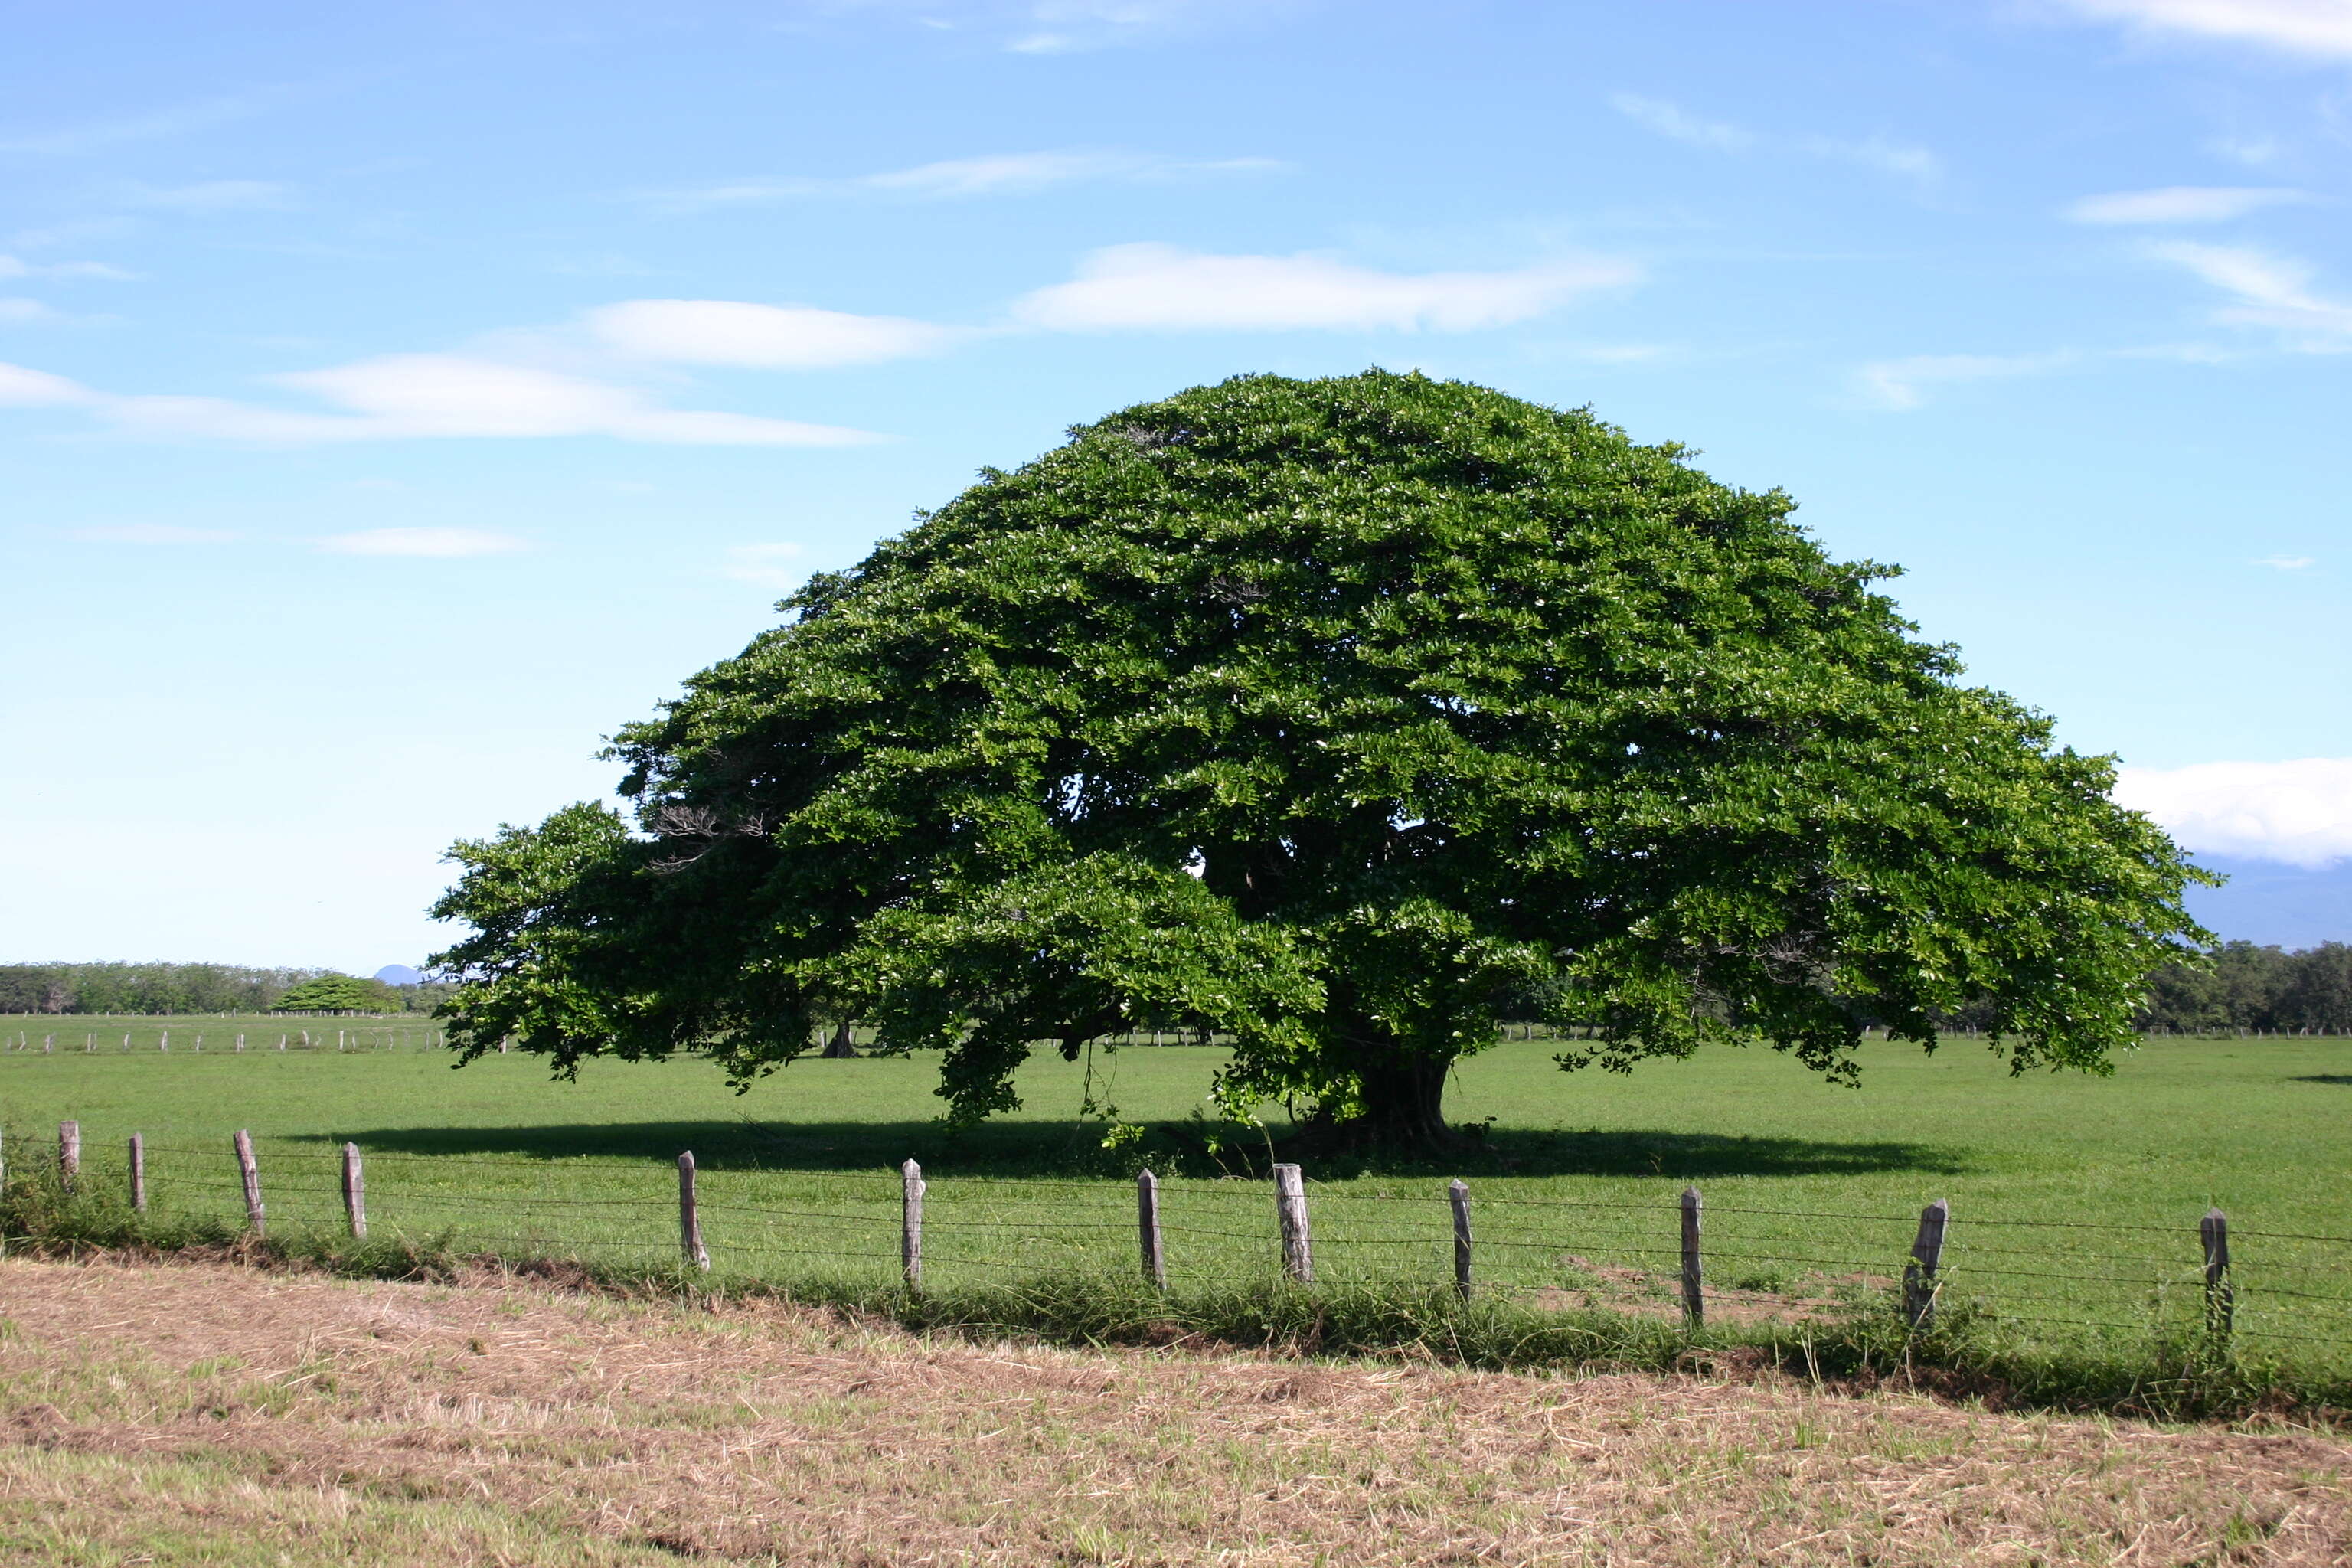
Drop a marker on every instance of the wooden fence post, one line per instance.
(1458, 1195)
(1926, 1256)
(1693, 1282)
(1290, 1212)
(138, 1173)
(1147, 1229)
(68, 1153)
(2221, 1299)
(689, 1218)
(355, 1191)
(250, 1173)
(910, 1225)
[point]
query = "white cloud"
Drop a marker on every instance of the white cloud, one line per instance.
(1000, 174)
(2270, 290)
(2316, 28)
(411, 396)
(2298, 812)
(21, 387)
(1162, 288)
(784, 337)
(2182, 203)
(2287, 562)
(428, 543)
(762, 564)
(1901, 383)
(1669, 121)
(208, 197)
(151, 534)
(22, 309)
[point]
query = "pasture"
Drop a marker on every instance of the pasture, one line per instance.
(2074, 1200)
(249, 1418)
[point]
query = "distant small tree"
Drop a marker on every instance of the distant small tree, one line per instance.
(332, 992)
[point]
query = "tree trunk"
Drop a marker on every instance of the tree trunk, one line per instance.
(839, 1047)
(1404, 1093)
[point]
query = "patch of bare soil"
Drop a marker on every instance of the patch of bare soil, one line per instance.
(171, 1413)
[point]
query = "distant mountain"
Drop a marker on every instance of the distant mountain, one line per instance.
(398, 975)
(2275, 905)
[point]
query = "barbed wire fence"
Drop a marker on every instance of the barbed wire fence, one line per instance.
(1659, 1256)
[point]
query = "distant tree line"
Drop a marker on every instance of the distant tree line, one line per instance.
(189, 989)
(2248, 987)
(2240, 988)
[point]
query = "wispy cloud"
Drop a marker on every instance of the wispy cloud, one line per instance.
(421, 396)
(2287, 562)
(1066, 27)
(1876, 152)
(153, 534)
(2317, 29)
(18, 311)
(782, 337)
(156, 125)
(1001, 174)
(2182, 203)
(425, 544)
(2270, 290)
(206, 197)
(1161, 288)
(763, 565)
(1669, 121)
(14, 267)
(2298, 812)
(1903, 384)
(1907, 159)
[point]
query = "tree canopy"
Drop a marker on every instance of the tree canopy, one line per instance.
(1324, 714)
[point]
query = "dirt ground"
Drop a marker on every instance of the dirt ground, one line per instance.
(208, 1414)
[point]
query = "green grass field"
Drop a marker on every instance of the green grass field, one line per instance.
(2074, 1200)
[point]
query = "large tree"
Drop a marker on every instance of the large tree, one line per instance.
(1324, 714)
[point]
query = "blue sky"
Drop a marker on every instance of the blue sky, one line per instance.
(392, 401)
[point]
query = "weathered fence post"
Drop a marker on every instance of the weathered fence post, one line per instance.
(138, 1173)
(2221, 1299)
(250, 1173)
(68, 1153)
(689, 1216)
(1693, 1282)
(1290, 1212)
(1147, 1229)
(910, 1225)
(355, 1191)
(1458, 1194)
(1926, 1256)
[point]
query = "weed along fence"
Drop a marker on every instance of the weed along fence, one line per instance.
(1672, 1259)
(298, 1032)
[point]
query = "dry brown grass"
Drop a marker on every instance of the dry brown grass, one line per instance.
(169, 1414)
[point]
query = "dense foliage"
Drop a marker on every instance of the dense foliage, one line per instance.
(1329, 714)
